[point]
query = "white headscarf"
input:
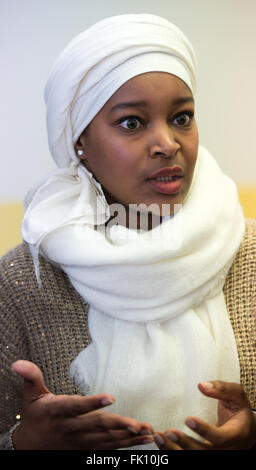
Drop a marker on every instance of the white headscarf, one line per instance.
(157, 316)
(101, 59)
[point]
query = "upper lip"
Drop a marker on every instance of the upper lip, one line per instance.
(164, 172)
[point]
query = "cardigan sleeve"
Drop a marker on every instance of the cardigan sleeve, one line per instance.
(45, 326)
(13, 347)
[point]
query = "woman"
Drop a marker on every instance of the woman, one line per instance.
(139, 228)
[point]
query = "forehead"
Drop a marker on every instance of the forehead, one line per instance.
(148, 86)
(152, 82)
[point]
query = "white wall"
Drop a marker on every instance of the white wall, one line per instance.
(33, 32)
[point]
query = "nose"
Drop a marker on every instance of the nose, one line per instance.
(162, 142)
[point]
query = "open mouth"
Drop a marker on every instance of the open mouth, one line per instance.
(167, 178)
(167, 184)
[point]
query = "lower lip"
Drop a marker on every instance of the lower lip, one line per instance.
(166, 187)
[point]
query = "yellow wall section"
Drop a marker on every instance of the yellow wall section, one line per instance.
(11, 217)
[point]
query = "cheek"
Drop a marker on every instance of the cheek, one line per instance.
(109, 162)
(96, 155)
(192, 151)
(120, 158)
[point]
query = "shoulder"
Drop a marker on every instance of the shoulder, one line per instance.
(17, 271)
(242, 274)
(16, 263)
(246, 256)
(244, 263)
(249, 240)
(16, 267)
(18, 280)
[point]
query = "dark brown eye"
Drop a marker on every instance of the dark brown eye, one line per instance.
(131, 123)
(184, 119)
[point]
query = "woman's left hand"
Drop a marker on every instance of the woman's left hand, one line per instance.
(236, 427)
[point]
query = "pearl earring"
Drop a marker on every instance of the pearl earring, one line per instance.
(80, 153)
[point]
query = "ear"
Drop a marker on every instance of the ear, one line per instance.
(80, 148)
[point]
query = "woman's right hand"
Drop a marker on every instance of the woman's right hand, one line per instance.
(68, 422)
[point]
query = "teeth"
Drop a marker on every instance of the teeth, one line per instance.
(166, 178)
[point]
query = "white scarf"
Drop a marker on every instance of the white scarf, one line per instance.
(157, 316)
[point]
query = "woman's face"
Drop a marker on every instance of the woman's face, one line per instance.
(148, 125)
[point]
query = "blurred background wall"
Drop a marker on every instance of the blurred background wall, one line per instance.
(33, 33)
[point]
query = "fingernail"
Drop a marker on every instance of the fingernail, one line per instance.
(207, 385)
(145, 432)
(191, 423)
(131, 429)
(148, 440)
(172, 436)
(107, 401)
(158, 439)
(17, 363)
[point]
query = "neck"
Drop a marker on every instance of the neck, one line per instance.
(137, 220)
(131, 218)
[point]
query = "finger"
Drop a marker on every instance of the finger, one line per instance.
(209, 432)
(75, 405)
(163, 443)
(146, 429)
(34, 386)
(103, 421)
(111, 437)
(225, 391)
(186, 442)
(124, 443)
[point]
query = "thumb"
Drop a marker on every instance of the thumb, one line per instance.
(34, 385)
(231, 393)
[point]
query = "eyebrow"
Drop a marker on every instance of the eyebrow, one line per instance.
(129, 104)
(183, 99)
(136, 104)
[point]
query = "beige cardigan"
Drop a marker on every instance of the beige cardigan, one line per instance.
(48, 326)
